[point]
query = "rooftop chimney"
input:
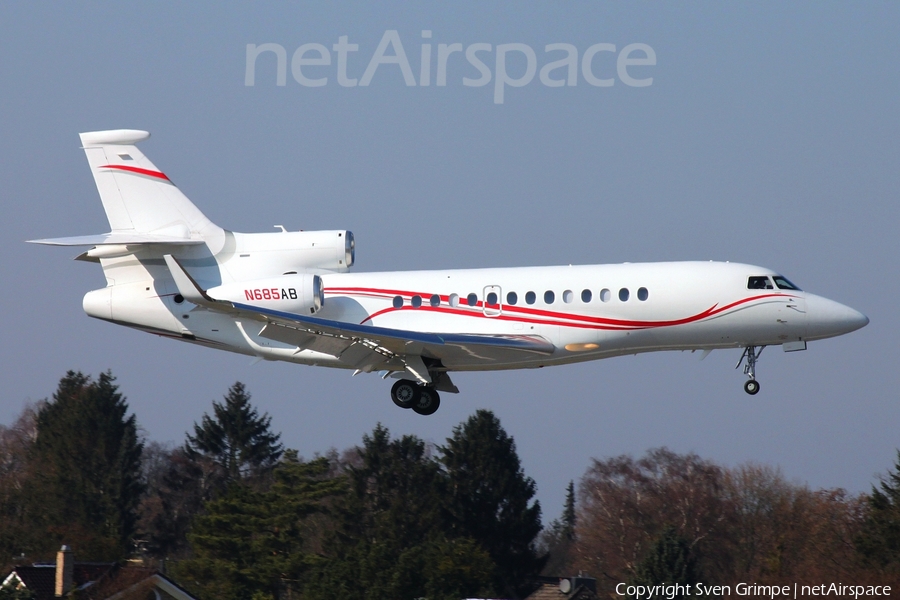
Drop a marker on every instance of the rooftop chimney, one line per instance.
(65, 570)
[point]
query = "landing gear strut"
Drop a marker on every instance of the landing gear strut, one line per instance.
(423, 399)
(751, 353)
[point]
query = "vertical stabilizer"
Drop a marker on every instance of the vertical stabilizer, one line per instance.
(137, 196)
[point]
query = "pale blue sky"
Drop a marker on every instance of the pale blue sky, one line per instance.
(769, 136)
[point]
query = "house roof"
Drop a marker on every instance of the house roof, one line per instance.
(135, 582)
(550, 590)
(97, 581)
(40, 578)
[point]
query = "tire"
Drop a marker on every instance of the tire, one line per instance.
(405, 393)
(751, 387)
(429, 401)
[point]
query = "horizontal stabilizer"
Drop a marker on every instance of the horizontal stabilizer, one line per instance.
(116, 238)
(114, 137)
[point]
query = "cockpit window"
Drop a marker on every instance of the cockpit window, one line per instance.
(759, 283)
(784, 284)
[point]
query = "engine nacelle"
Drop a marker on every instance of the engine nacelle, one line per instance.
(281, 252)
(302, 293)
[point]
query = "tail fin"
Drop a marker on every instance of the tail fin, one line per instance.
(138, 198)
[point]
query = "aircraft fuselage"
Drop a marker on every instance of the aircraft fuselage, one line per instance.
(587, 312)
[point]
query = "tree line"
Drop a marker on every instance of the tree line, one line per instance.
(232, 514)
(678, 518)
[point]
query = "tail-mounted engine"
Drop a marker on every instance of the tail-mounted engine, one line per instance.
(291, 251)
(302, 293)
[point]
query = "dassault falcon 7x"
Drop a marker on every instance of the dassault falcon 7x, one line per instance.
(289, 296)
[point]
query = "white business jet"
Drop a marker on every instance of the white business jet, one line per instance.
(289, 296)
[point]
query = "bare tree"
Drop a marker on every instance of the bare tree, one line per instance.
(15, 443)
(626, 504)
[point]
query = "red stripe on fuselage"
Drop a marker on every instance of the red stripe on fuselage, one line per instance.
(549, 317)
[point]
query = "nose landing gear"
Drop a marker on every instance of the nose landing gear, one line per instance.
(423, 399)
(751, 353)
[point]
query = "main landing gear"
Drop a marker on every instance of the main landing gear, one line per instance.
(751, 353)
(423, 399)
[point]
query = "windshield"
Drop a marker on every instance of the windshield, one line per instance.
(784, 284)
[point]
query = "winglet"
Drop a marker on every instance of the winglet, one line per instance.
(187, 287)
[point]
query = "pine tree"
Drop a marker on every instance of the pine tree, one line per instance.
(568, 516)
(236, 438)
(879, 540)
(557, 541)
(670, 562)
(86, 484)
(391, 507)
(394, 489)
(255, 544)
(488, 498)
(391, 538)
(177, 486)
(9, 593)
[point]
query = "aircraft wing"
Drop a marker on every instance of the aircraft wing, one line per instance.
(453, 347)
(369, 348)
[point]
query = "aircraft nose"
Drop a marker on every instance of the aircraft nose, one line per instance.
(826, 318)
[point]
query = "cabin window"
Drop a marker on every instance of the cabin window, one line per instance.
(549, 297)
(530, 298)
(416, 301)
(760, 282)
(435, 300)
(784, 284)
(568, 296)
(472, 299)
(605, 295)
(643, 294)
(492, 298)
(453, 300)
(586, 296)
(398, 302)
(512, 298)
(623, 294)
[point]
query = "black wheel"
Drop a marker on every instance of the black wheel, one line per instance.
(429, 401)
(405, 393)
(751, 387)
